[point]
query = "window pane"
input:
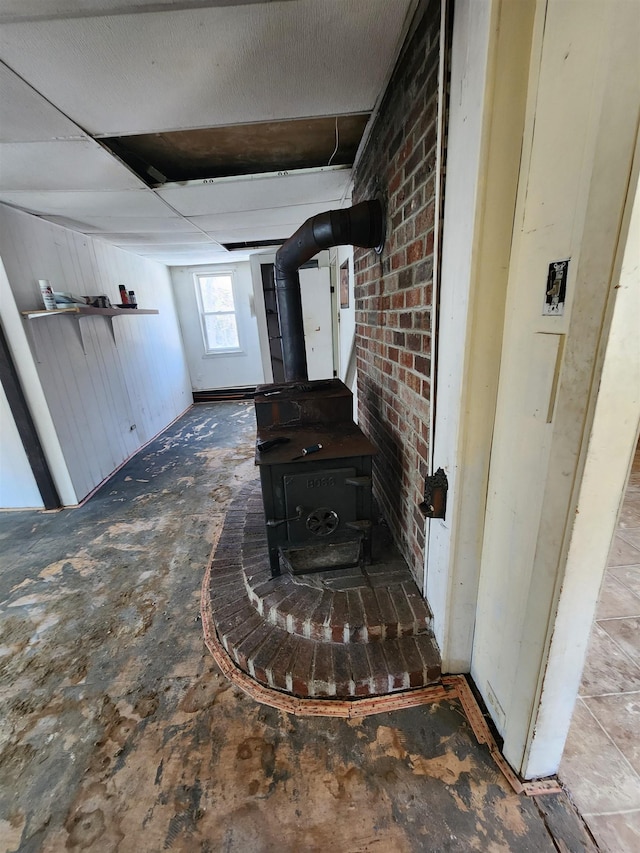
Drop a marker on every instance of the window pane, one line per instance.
(222, 332)
(217, 293)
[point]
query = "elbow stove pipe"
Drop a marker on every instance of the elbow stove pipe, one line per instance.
(361, 225)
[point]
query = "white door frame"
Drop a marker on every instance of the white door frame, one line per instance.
(497, 47)
(489, 77)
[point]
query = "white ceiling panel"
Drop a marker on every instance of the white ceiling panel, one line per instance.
(25, 116)
(195, 256)
(75, 205)
(146, 249)
(258, 193)
(32, 10)
(138, 239)
(208, 67)
(255, 233)
(77, 165)
(132, 225)
(277, 216)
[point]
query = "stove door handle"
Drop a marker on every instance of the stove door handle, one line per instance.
(276, 522)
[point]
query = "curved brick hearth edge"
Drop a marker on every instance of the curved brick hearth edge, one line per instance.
(449, 687)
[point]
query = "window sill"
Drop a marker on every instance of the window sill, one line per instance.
(224, 353)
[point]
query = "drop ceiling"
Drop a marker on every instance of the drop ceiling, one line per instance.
(170, 128)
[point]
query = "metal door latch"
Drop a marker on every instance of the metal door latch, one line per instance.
(435, 495)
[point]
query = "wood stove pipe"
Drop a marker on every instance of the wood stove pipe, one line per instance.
(361, 225)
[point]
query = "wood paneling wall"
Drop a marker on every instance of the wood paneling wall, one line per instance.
(110, 400)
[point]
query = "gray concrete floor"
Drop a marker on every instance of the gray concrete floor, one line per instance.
(119, 733)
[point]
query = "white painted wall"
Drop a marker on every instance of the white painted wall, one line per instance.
(489, 77)
(227, 370)
(16, 333)
(135, 378)
(18, 487)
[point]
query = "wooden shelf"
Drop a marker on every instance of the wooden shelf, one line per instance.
(87, 311)
(77, 312)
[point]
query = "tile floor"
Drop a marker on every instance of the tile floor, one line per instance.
(601, 765)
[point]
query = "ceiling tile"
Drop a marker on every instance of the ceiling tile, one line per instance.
(252, 235)
(210, 67)
(277, 216)
(25, 116)
(32, 10)
(193, 257)
(174, 248)
(76, 204)
(259, 193)
(163, 238)
(68, 165)
(170, 224)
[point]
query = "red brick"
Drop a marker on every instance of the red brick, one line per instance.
(225, 608)
(414, 297)
(431, 659)
(356, 617)
(281, 662)
(388, 615)
(379, 667)
(235, 635)
(428, 248)
(373, 617)
(339, 616)
(414, 342)
(413, 662)
(342, 671)
(324, 682)
(406, 616)
(397, 674)
(415, 251)
(398, 260)
(261, 658)
(301, 671)
(306, 602)
(359, 666)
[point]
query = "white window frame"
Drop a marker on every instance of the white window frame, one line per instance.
(218, 273)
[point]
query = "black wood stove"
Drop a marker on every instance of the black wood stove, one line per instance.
(315, 462)
(317, 505)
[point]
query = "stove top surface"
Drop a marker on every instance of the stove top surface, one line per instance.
(338, 441)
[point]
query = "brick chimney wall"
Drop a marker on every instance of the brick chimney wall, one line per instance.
(394, 292)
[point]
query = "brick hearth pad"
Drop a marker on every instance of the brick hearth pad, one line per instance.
(344, 634)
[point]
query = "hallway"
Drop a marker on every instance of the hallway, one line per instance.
(119, 733)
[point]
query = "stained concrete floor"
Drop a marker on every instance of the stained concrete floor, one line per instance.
(119, 733)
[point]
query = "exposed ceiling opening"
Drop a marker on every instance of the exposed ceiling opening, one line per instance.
(252, 244)
(241, 149)
(174, 129)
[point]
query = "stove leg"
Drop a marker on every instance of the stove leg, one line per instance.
(274, 562)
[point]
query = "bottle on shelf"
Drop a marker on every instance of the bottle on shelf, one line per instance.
(124, 297)
(132, 299)
(47, 294)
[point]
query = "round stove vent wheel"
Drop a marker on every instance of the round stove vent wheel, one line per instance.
(322, 521)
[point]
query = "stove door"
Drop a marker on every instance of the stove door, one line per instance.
(320, 504)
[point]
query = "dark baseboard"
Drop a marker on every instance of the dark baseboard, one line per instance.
(217, 395)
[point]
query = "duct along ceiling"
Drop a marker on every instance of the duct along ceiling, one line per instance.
(180, 130)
